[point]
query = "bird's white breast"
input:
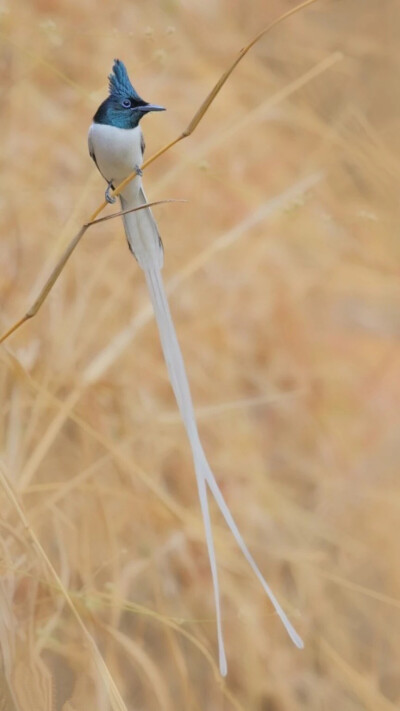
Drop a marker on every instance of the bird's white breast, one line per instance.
(117, 150)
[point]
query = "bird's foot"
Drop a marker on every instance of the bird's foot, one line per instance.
(109, 198)
(139, 171)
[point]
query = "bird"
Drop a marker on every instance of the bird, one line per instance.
(116, 145)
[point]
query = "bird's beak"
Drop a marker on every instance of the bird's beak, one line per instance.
(150, 107)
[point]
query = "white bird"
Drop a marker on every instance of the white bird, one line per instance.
(116, 145)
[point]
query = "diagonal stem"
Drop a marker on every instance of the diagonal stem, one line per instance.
(210, 97)
(32, 311)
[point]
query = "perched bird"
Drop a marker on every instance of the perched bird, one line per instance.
(116, 145)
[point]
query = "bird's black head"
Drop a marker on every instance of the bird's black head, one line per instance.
(123, 108)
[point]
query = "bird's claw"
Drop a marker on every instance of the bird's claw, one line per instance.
(139, 171)
(109, 198)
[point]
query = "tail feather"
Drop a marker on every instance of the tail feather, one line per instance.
(141, 230)
(145, 243)
(180, 385)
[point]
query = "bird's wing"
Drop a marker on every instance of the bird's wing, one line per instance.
(91, 149)
(93, 157)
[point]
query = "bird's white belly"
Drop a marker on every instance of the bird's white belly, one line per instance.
(117, 150)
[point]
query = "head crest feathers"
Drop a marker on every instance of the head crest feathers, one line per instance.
(119, 82)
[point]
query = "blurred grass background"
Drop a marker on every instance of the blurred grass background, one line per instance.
(287, 305)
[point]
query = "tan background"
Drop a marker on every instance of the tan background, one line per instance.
(287, 305)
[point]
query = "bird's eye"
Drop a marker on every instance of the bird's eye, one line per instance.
(127, 103)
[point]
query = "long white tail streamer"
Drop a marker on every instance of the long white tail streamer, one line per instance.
(145, 243)
(204, 475)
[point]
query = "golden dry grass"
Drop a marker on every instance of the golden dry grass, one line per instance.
(288, 315)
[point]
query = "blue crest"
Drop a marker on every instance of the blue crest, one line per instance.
(119, 82)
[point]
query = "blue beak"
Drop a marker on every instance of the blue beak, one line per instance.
(150, 107)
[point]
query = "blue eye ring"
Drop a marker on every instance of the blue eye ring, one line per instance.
(126, 103)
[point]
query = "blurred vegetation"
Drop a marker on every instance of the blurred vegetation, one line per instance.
(288, 313)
